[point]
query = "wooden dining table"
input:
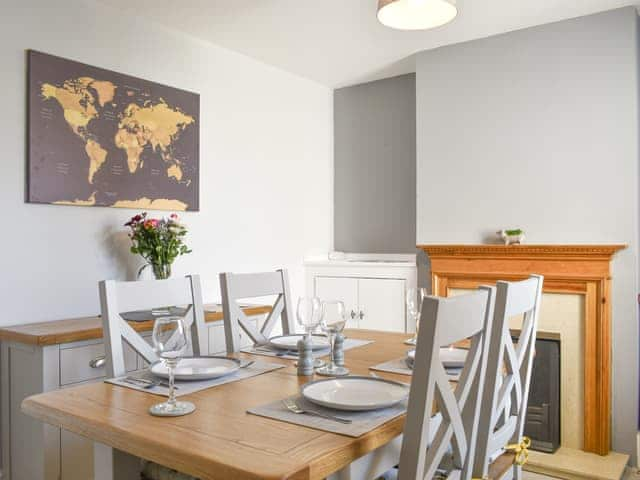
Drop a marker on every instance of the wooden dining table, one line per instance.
(220, 440)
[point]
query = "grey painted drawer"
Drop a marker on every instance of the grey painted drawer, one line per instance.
(76, 363)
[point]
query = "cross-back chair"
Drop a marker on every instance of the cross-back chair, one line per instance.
(240, 286)
(429, 440)
(117, 297)
(506, 390)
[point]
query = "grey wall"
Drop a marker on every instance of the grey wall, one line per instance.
(375, 166)
(539, 129)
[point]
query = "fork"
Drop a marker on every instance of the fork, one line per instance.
(292, 406)
(145, 383)
(277, 353)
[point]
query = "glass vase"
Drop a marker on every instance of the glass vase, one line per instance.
(161, 271)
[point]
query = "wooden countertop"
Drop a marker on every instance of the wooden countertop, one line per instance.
(90, 328)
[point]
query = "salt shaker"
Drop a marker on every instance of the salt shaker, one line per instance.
(305, 357)
(338, 350)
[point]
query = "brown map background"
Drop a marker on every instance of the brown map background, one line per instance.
(97, 137)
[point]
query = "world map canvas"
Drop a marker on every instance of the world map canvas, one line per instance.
(101, 138)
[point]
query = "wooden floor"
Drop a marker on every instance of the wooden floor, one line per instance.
(630, 475)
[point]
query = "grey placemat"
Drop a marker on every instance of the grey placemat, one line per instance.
(362, 422)
(268, 351)
(399, 365)
(185, 388)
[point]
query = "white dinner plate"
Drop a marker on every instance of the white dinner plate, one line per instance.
(198, 368)
(450, 357)
(290, 342)
(355, 393)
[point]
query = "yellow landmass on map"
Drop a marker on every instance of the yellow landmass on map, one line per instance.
(175, 171)
(87, 203)
(133, 144)
(78, 104)
(106, 91)
(97, 156)
(147, 203)
(156, 125)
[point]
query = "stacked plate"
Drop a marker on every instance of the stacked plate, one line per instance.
(452, 359)
(355, 393)
(198, 368)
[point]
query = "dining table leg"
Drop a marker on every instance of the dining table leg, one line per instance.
(113, 464)
(373, 464)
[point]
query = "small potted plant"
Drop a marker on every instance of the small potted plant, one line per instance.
(158, 241)
(512, 237)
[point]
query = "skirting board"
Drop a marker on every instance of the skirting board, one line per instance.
(570, 464)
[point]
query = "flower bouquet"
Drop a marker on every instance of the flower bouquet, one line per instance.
(158, 241)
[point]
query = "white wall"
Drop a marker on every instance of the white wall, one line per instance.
(538, 129)
(265, 159)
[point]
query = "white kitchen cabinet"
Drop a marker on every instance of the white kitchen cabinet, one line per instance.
(373, 290)
(381, 304)
(344, 289)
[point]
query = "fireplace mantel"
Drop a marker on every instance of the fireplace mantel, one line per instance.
(573, 269)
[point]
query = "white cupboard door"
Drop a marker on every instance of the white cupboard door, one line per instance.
(340, 288)
(381, 304)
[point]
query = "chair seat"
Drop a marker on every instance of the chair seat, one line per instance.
(155, 471)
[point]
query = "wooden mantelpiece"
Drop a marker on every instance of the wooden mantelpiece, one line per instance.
(574, 269)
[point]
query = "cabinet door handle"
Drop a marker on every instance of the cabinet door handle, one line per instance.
(360, 314)
(98, 362)
(353, 314)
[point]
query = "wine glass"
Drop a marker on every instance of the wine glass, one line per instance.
(169, 342)
(332, 322)
(308, 313)
(414, 299)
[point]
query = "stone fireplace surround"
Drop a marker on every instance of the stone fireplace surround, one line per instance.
(579, 272)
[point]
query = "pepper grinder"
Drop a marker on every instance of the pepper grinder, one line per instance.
(338, 350)
(305, 357)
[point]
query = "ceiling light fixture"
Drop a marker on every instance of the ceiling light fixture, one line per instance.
(416, 14)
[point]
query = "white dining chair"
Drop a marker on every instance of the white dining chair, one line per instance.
(117, 297)
(241, 286)
(445, 442)
(506, 391)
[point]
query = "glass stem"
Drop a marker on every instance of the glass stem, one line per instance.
(332, 342)
(310, 338)
(171, 364)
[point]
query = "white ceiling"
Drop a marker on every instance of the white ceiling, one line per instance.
(340, 42)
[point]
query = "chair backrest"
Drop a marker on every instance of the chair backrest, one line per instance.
(427, 437)
(506, 391)
(240, 286)
(118, 297)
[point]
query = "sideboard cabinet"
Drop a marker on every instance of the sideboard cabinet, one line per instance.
(48, 356)
(372, 287)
